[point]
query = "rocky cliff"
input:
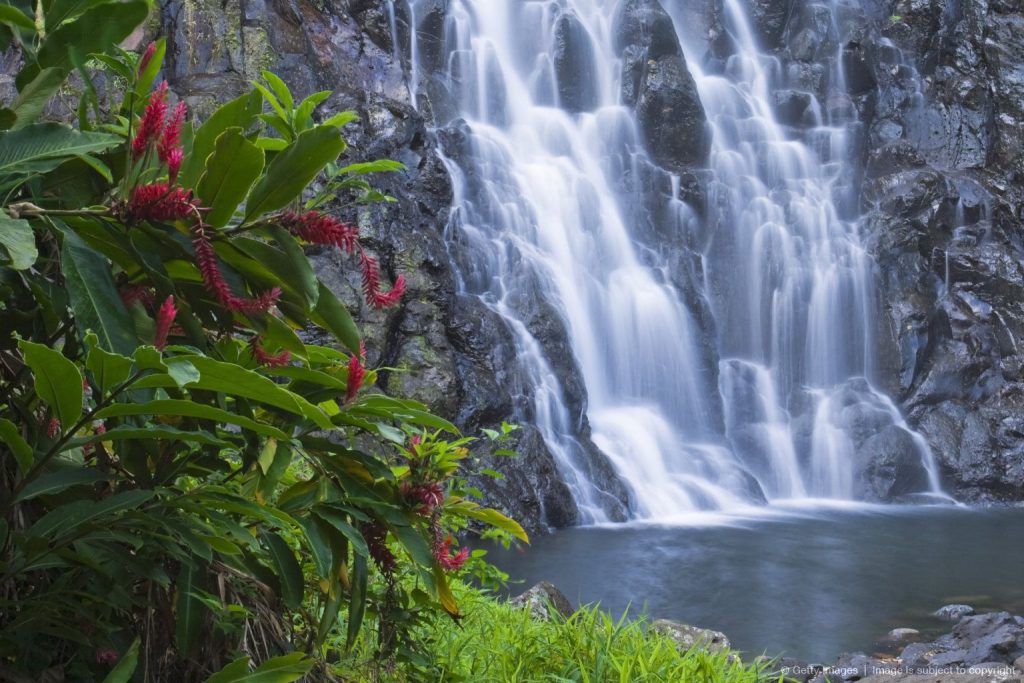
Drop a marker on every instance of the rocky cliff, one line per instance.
(934, 91)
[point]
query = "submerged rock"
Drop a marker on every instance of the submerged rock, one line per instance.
(954, 612)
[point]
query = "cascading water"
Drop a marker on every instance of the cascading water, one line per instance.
(542, 190)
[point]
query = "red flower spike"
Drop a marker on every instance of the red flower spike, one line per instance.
(376, 541)
(146, 58)
(160, 202)
(206, 261)
(174, 160)
(425, 497)
(100, 428)
(317, 228)
(164, 320)
(152, 123)
(53, 428)
(170, 141)
(371, 284)
(264, 357)
(356, 375)
(445, 558)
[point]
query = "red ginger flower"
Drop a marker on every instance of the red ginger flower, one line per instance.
(356, 372)
(206, 260)
(376, 541)
(428, 496)
(174, 159)
(152, 123)
(448, 561)
(146, 58)
(53, 428)
(317, 228)
(371, 284)
(160, 202)
(170, 141)
(164, 320)
(264, 357)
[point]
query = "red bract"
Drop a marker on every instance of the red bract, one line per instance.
(356, 372)
(152, 123)
(318, 228)
(141, 293)
(164, 320)
(160, 202)
(376, 541)
(170, 141)
(146, 58)
(445, 558)
(106, 656)
(264, 357)
(206, 260)
(174, 160)
(53, 428)
(371, 284)
(426, 497)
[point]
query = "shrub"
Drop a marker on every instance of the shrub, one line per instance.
(185, 481)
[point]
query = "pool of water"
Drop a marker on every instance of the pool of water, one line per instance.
(808, 581)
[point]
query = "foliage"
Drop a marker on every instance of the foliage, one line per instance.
(186, 484)
(498, 642)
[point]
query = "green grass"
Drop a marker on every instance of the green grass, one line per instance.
(498, 643)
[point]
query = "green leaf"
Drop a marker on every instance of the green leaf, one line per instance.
(304, 112)
(147, 77)
(332, 315)
(338, 521)
(97, 29)
(57, 381)
(231, 170)
(239, 112)
(58, 481)
(122, 672)
(378, 166)
(10, 434)
(16, 18)
(280, 89)
(154, 432)
(341, 119)
(17, 242)
(189, 608)
(185, 408)
(34, 96)
(496, 519)
(287, 262)
(288, 569)
(318, 544)
(42, 147)
(94, 298)
(357, 599)
(233, 379)
(283, 669)
(412, 540)
(295, 168)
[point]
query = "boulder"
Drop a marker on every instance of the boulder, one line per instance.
(544, 601)
(954, 613)
(575, 70)
(687, 637)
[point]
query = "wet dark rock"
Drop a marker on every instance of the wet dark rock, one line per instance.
(769, 19)
(575, 70)
(891, 466)
(995, 638)
(954, 613)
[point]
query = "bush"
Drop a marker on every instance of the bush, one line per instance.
(185, 483)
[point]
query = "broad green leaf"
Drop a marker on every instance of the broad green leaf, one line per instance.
(94, 297)
(378, 166)
(412, 540)
(185, 408)
(496, 519)
(239, 112)
(10, 435)
(182, 372)
(42, 147)
(444, 592)
(97, 29)
(16, 18)
(294, 168)
(33, 97)
(288, 570)
(231, 170)
(57, 381)
(60, 11)
(122, 672)
(189, 609)
(17, 242)
(304, 112)
(55, 482)
(337, 520)
(109, 370)
(280, 89)
(267, 453)
(319, 545)
(357, 599)
(78, 514)
(155, 432)
(332, 315)
(287, 262)
(283, 669)
(341, 119)
(233, 379)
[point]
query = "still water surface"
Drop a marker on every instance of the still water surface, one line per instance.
(809, 581)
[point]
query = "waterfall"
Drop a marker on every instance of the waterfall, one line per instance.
(739, 375)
